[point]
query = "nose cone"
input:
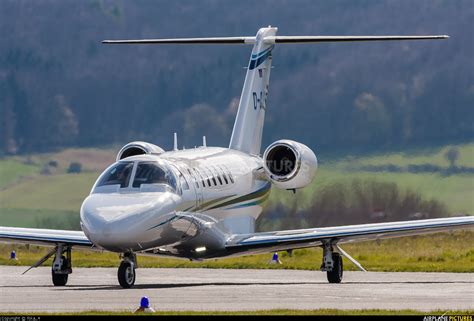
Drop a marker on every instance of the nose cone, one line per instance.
(118, 222)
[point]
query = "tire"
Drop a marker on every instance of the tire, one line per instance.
(335, 276)
(60, 279)
(126, 275)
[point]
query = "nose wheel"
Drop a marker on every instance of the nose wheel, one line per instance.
(126, 271)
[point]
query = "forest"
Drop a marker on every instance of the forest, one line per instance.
(60, 87)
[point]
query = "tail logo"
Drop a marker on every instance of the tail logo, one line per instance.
(259, 58)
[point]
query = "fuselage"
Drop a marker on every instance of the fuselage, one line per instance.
(182, 203)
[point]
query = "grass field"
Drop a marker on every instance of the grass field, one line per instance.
(31, 199)
(456, 191)
(443, 252)
(55, 192)
(24, 189)
(431, 155)
(12, 170)
(44, 218)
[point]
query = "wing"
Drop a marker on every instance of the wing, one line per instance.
(44, 236)
(292, 239)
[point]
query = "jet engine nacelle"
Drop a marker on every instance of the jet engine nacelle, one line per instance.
(289, 164)
(138, 148)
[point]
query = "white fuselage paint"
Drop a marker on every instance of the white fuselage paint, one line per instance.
(219, 193)
(226, 186)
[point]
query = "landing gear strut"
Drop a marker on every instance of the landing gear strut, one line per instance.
(332, 263)
(61, 265)
(126, 271)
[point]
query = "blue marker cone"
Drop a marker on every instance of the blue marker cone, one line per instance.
(13, 255)
(144, 302)
(144, 305)
(275, 259)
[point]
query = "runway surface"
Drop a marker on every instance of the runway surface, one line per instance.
(225, 290)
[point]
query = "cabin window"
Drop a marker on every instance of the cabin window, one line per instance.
(208, 177)
(211, 176)
(230, 175)
(218, 175)
(225, 178)
(200, 175)
(119, 174)
(223, 175)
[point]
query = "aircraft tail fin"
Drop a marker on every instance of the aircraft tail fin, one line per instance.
(248, 125)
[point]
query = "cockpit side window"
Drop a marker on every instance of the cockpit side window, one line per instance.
(151, 173)
(118, 175)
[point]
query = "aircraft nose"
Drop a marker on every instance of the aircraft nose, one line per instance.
(117, 222)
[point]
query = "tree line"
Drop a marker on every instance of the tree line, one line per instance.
(60, 87)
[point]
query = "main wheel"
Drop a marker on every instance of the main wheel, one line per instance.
(335, 276)
(60, 279)
(126, 275)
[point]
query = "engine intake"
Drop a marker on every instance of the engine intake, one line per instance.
(289, 164)
(138, 148)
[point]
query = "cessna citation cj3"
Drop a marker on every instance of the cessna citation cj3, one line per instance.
(202, 203)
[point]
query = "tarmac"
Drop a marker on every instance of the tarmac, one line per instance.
(233, 290)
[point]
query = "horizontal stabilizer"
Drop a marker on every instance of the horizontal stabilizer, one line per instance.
(311, 39)
(269, 40)
(216, 40)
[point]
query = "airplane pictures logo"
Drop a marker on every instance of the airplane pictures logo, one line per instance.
(448, 318)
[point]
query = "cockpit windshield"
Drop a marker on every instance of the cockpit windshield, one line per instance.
(151, 173)
(147, 176)
(119, 174)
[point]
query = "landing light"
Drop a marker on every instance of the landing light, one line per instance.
(200, 249)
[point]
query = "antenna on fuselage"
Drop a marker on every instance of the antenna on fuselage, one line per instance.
(204, 143)
(175, 141)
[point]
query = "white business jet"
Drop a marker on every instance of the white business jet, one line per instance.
(202, 203)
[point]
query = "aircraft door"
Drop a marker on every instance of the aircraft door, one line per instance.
(194, 184)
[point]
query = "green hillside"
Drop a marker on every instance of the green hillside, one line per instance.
(29, 198)
(12, 170)
(456, 191)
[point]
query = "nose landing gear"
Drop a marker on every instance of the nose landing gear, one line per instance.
(126, 271)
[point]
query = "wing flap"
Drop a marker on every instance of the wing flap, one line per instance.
(281, 240)
(43, 236)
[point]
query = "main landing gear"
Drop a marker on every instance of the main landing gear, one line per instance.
(61, 265)
(126, 271)
(332, 262)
